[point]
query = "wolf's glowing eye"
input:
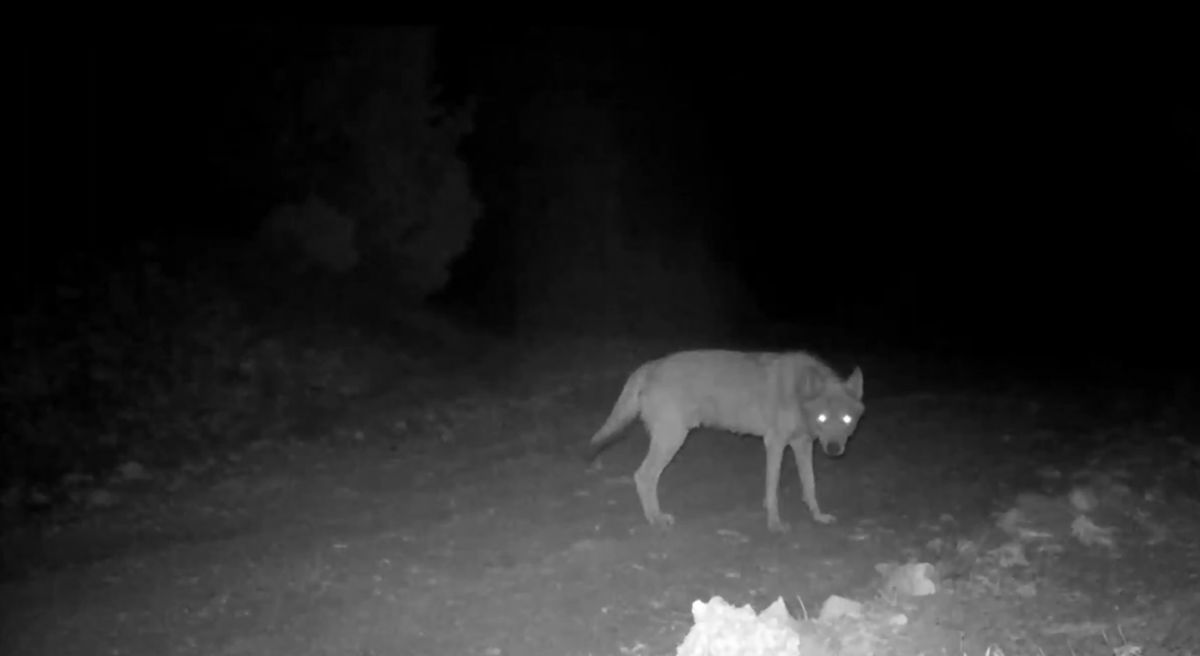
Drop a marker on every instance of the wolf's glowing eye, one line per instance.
(821, 417)
(847, 419)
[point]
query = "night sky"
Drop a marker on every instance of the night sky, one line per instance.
(1007, 198)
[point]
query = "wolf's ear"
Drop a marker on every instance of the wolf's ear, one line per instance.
(854, 384)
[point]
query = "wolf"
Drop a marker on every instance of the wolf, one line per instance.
(788, 398)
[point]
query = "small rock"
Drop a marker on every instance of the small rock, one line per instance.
(133, 471)
(101, 498)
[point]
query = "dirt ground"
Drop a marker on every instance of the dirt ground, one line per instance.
(475, 527)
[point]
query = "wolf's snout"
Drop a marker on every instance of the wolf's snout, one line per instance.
(833, 448)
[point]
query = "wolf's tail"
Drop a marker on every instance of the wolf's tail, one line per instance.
(627, 408)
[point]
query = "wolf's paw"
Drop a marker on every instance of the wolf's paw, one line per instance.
(661, 520)
(823, 518)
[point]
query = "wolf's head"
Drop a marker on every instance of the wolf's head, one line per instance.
(832, 408)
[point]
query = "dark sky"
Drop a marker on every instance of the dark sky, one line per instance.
(1012, 187)
(1044, 195)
